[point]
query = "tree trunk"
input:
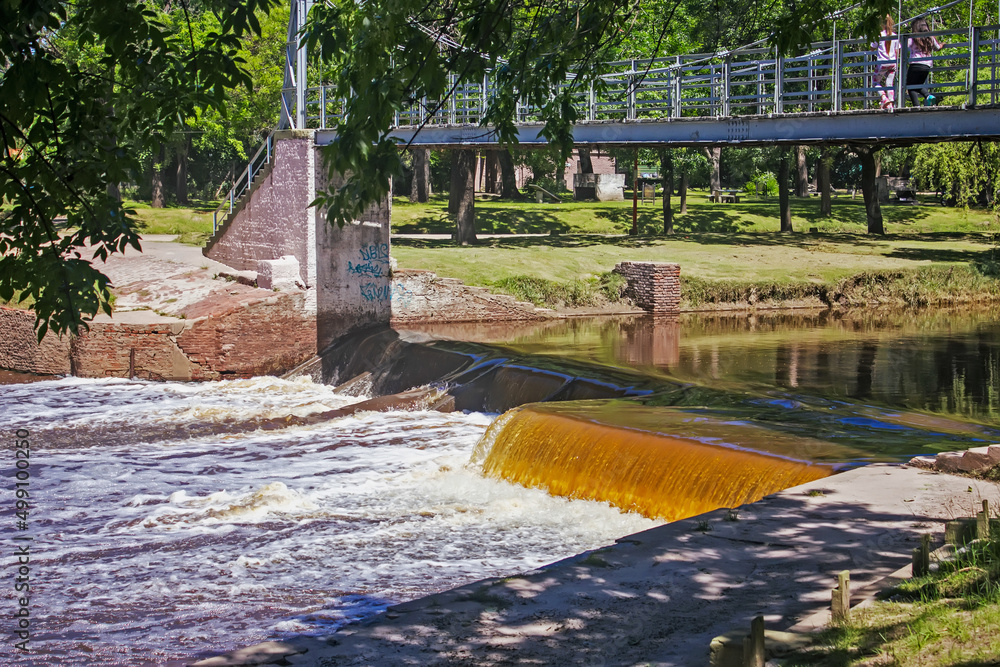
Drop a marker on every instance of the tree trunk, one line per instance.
(508, 176)
(801, 172)
(463, 182)
(667, 172)
(784, 207)
(586, 164)
(180, 184)
(684, 192)
(158, 199)
(455, 187)
(823, 183)
(492, 170)
(873, 210)
(420, 188)
(714, 155)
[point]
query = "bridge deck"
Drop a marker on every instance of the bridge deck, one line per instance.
(900, 127)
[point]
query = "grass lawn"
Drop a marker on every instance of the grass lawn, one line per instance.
(771, 257)
(192, 225)
(713, 243)
(750, 215)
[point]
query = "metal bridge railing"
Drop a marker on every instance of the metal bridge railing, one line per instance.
(835, 76)
(244, 182)
(831, 76)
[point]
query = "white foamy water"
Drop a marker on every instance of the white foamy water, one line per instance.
(154, 547)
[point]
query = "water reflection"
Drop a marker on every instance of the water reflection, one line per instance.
(945, 361)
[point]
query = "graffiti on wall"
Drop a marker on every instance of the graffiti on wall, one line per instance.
(374, 261)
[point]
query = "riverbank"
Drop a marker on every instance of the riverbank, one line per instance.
(660, 597)
(560, 256)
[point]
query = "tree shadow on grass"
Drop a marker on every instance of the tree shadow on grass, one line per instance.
(698, 219)
(489, 221)
(949, 255)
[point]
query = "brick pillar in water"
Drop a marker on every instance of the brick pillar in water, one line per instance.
(653, 286)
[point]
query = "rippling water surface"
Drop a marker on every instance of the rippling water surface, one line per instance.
(160, 537)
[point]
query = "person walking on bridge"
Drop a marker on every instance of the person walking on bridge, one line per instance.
(885, 53)
(922, 46)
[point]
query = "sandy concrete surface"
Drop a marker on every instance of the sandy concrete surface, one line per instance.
(659, 597)
(169, 281)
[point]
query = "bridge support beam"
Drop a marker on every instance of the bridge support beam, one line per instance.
(345, 270)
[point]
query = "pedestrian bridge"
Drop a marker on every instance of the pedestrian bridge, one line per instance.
(829, 94)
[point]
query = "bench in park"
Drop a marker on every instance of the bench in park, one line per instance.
(724, 197)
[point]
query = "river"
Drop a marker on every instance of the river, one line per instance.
(162, 534)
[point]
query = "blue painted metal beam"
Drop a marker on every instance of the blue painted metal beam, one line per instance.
(904, 126)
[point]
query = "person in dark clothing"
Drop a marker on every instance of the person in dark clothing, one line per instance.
(922, 45)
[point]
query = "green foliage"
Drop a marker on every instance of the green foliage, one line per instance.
(86, 88)
(606, 288)
(386, 56)
(765, 184)
(963, 171)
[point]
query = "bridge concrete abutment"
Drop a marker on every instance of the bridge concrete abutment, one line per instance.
(344, 270)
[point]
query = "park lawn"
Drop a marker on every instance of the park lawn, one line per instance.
(750, 215)
(741, 244)
(765, 257)
(192, 225)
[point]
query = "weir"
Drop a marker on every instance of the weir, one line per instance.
(640, 441)
(562, 449)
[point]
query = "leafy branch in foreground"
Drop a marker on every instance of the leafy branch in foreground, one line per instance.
(386, 56)
(86, 88)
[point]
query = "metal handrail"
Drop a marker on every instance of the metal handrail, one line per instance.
(260, 160)
(830, 76)
(838, 75)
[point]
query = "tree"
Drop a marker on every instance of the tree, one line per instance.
(420, 190)
(784, 208)
(962, 171)
(463, 183)
(667, 174)
(73, 128)
(823, 182)
(529, 48)
(873, 211)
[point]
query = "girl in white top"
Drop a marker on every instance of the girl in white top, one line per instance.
(886, 55)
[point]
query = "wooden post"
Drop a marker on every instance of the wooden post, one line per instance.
(922, 557)
(983, 522)
(840, 603)
(753, 644)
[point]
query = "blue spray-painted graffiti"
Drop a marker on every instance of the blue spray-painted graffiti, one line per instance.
(374, 264)
(374, 292)
(376, 252)
(401, 297)
(375, 270)
(374, 261)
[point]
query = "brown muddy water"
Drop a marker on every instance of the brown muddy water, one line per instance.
(162, 534)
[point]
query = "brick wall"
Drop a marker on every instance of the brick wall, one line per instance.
(20, 349)
(653, 286)
(421, 296)
(275, 221)
(115, 349)
(269, 336)
(266, 337)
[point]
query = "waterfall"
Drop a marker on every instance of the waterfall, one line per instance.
(569, 451)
